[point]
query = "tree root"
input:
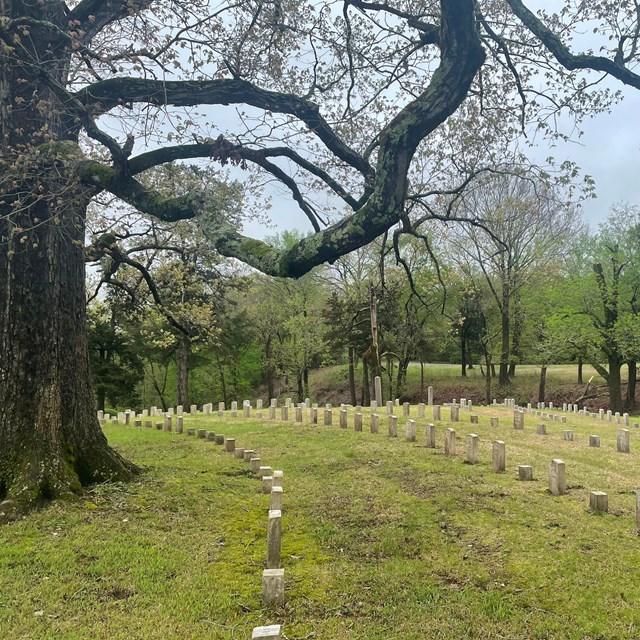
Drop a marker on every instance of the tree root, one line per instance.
(30, 481)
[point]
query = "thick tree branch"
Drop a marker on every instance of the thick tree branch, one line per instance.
(151, 159)
(563, 54)
(94, 15)
(104, 96)
(462, 56)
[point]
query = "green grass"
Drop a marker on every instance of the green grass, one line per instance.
(383, 539)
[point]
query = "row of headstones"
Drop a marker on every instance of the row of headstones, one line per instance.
(314, 409)
(166, 424)
(207, 409)
(622, 442)
(557, 482)
(557, 476)
(609, 416)
(518, 422)
(273, 576)
(272, 483)
(374, 420)
(125, 417)
(598, 500)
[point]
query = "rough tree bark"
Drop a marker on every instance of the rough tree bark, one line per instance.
(50, 441)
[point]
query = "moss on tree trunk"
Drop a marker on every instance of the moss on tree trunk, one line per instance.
(50, 441)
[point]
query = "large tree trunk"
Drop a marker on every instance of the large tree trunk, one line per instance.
(184, 351)
(50, 441)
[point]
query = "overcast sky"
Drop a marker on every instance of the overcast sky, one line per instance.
(609, 151)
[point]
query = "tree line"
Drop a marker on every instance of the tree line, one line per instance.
(515, 277)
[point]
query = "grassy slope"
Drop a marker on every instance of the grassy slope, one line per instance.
(332, 383)
(382, 540)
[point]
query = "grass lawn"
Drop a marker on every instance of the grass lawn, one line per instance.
(382, 539)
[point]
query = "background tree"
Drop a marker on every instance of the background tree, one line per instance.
(596, 304)
(115, 365)
(347, 312)
(523, 225)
